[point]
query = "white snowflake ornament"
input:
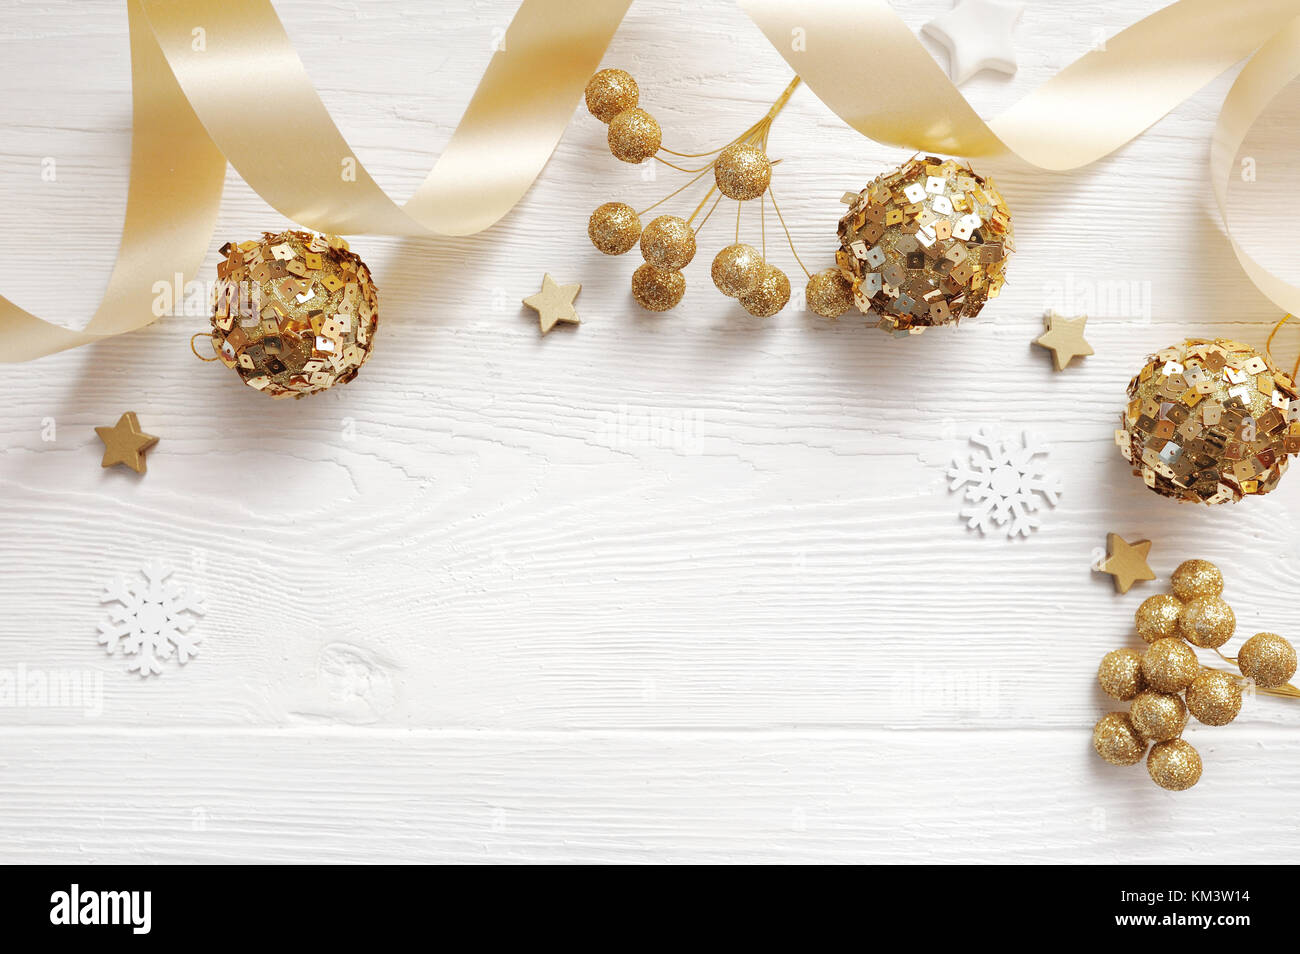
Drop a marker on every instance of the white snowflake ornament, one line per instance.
(151, 621)
(1005, 481)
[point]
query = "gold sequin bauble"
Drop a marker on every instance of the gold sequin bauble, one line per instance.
(614, 228)
(1209, 422)
(1208, 622)
(293, 313)
(657, 289)
(1174, 765)
(1169, 665)
(1120, 674)
(925, 245)
(634, 136)
(737, 270)
(1268, 659)
(1157, 617)
(1195, 578)
(668, 242)
(1158, 715)
(1214, 697)
(610, 92)
(742, 171)
(1117, 741)
(770, 295)
(829, 294)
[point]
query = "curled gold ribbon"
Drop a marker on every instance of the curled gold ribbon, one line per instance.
(1275, 65)
(171, 210)
(198, 105)
(868, 68)
(866, 65)
(856, 55)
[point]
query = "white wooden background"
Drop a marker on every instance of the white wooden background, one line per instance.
(683, 587)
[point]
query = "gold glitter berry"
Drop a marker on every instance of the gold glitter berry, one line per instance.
(1117, 741)
(1157, 617)
(634, 136)
(1207, 622)
(1214, 697)
(1195, 578)
(611, 92)
(1174, 765)
(1158, 715)
(737, 270)
(1120, 674)
(742, 171)
(1169, 665)
(668, 242)
(1268, 659)
(829, 294)
(657, 289)
(614, 228)
(770, 295)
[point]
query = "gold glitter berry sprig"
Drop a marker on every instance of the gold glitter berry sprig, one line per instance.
(1167, 681)
(741, 171)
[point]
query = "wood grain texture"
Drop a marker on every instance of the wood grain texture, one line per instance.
(653, 588)
(637, 796)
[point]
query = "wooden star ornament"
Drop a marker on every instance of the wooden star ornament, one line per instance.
(1064, 338)
(554, 303)
(125, 443)
(1126, 562)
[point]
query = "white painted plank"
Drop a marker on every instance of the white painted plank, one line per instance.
(835, 796)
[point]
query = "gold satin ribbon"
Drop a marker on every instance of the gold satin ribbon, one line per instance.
(244, 96)
(171, 210)
(1275, 65)
(866, 65)
(196, 109)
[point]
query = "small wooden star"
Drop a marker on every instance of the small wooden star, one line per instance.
(554, 303)
(125, 443)
(1064, 338)
(1126, 562)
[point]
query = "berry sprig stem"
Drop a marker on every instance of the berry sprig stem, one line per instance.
(741, 171)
